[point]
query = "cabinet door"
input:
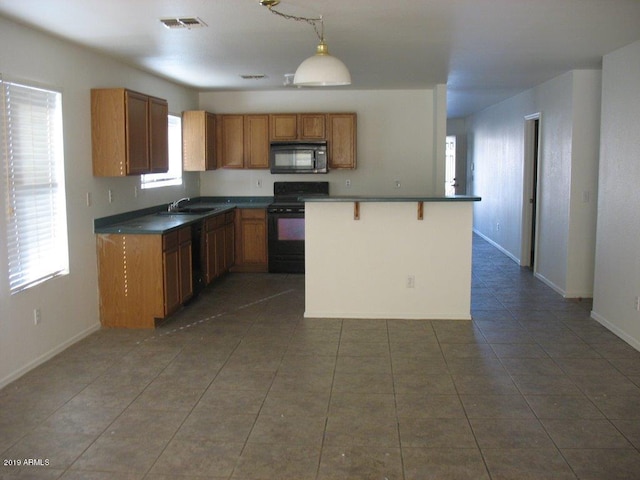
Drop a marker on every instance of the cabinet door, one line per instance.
(229, 245)
(232, 141)
(251, 240)
(341, 142)
(137, 133)
(210, 141)
(186, 277)
(220, 257)
(283, 127)
(311, 126)
(159, 135)
(256, 137)
(209, 256)
(171, 261)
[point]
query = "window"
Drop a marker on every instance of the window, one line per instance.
(32, 148)
(174, 175)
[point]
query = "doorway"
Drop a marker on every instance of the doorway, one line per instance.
(530, 191)
(450, 182)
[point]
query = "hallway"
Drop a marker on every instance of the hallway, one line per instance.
(240, 386)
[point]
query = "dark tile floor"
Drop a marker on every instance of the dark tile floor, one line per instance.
(240, 386)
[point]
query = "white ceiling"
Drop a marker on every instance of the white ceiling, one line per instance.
(484, 50)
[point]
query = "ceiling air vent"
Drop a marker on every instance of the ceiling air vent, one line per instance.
(184, 22)
(255, 76)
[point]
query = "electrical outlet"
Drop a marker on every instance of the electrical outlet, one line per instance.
(135, 191)
(398, 184)
(638, 304)
(110, 196)
(259, 183)
(498, 227)
(347, 183)
(88, 199)
(37, 317)
(411, 281)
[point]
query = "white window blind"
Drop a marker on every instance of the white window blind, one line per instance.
(32, 147)
(174, 175)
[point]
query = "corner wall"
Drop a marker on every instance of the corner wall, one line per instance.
(69, 304)
(617, 267)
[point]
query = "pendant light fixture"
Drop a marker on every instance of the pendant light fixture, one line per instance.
(322, 69)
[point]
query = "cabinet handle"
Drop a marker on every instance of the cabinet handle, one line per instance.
(420, 210)
(356, 210)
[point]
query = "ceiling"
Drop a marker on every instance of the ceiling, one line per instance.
(484, 50)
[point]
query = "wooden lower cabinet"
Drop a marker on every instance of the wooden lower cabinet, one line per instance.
(251, 240)
(143, 278)
(218, 246)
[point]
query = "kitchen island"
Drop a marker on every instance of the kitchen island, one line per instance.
(388, 257)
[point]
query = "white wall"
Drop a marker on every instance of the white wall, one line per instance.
(69, 304)
(496, 144)
(400, 137)
(617, 270)
(569, 108)
(360, 268)
(583, 204)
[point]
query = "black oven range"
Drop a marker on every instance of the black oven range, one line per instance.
(285, 217)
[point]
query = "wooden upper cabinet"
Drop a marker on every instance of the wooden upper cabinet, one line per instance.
(137, 130)
(159, 135)
(256, 138)
(311, 126)
(198, 141)
(283, 127)
(244, 141)
(341, 140)
(302, 126)
(129, 132)
(231, 130)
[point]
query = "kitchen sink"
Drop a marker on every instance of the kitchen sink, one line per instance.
(190, 210)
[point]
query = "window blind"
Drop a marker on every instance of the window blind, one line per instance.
(34, 159)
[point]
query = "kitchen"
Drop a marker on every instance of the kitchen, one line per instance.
(407, 119)
(412, 128)
(391, 124)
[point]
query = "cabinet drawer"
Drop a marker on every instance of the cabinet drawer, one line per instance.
(258, 213)
(170, 241)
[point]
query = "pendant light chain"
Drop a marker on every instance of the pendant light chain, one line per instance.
(311, 21)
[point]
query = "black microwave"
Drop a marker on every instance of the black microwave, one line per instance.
(298, 157)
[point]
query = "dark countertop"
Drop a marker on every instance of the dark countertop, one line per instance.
(382, 199)
(156, 220)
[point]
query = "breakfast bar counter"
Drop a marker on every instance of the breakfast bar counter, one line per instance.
(388, 257)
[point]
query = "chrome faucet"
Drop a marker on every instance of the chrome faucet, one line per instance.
(173, 206)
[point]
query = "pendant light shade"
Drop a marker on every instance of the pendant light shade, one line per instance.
(322, 70)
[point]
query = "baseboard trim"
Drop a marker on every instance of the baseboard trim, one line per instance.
(383, 316)
(550, 284)
(635, 343)
(498, 246)
(48, 355)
